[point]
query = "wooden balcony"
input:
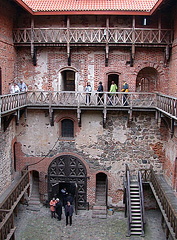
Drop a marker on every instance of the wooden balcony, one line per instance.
(92, 36)
(12, 104)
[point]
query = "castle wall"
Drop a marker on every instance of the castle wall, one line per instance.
(7, 156)
(89, 65)
(7, 51)
(103, 149)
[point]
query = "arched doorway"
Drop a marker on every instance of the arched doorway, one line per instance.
(113, 77)
(67, 80)
(147, 80)
(101, 189)
(68, 172)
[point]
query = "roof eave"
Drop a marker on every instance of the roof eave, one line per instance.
(101, 12)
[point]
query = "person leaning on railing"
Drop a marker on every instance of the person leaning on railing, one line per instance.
(125, 89)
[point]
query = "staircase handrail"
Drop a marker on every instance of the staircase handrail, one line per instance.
(141, 200)
(10, 202)
(128, 201)
(166, 204)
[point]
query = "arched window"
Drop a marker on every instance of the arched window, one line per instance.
(67, 128)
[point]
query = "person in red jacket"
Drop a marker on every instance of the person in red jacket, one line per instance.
(52, 207)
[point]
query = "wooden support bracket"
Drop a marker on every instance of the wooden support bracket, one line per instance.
(51, 116)
(172, 123)
(107, 55)
(104, 117)
(79, 117)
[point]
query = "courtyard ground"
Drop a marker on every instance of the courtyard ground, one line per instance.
(38, 225)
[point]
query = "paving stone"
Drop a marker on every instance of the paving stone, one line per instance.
(40, 226)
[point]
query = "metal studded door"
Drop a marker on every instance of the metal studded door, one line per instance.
(69, 169)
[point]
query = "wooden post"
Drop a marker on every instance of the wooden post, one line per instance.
(68, 43)
(107, 41)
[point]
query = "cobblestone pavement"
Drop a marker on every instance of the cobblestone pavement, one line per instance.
(39, 225)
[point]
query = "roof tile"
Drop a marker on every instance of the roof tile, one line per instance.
(90, 5)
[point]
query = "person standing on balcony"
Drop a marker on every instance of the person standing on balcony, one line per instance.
(14, 88)
(88, 90)
(125, 89)
(100, 95)
(23, 87)
(113, 89)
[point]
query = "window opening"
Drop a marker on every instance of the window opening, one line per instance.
(67, 128)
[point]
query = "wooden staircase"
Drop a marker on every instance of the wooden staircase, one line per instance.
(136, 225)
(134, 203)
(100, 208)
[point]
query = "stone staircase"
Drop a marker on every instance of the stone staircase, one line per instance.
(34, 198)
(136, 227)
(100, 208)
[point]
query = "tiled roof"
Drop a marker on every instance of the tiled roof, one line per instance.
(90, 5)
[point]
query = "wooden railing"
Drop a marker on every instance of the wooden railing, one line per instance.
(166, 204)
(148, 175)
(11, 102)
(92, 35)
(9, 204)
(141, 100)
(69, 98)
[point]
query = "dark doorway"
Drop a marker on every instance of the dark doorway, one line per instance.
(68, 80)
(68, 172)
(113, 77)
(101, 189)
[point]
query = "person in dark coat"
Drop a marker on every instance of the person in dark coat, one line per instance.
(100, 95)
(69, 213)
(58, 208)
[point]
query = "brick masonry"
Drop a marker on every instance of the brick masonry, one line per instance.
(107, 150)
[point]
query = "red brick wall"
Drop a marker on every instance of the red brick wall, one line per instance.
(7, 51)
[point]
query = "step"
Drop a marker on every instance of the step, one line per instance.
(136, 225)
(136, 221)
(136, 233)
(99, 207)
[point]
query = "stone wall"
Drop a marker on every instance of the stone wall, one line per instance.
(7, 157)
(102, 149)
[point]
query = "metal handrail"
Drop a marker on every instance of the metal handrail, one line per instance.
(128, 200)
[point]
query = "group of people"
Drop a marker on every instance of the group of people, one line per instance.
(56, 208)
(113, 89)
(16, 88)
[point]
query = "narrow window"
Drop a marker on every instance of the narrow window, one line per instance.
(67, 128)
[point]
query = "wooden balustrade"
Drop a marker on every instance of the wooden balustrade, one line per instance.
(10, 202)
(141, 100)
(92, 35)
(165, 202)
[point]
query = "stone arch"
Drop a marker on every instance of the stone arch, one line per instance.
(147, 80)
(67, 79)
(68, 169)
